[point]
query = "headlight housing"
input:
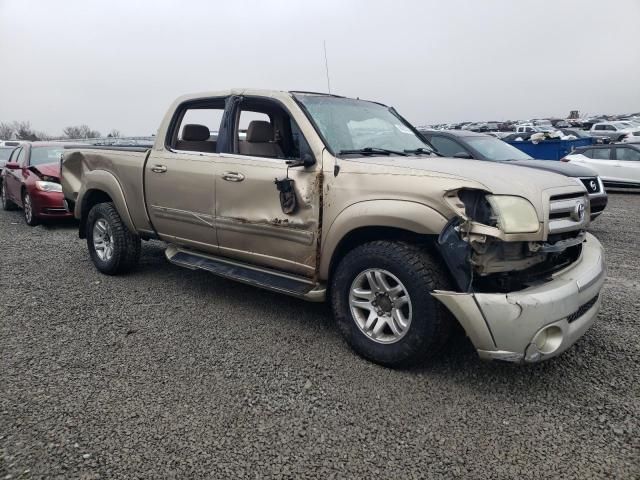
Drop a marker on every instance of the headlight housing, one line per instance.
(513, 214)
(48, 186)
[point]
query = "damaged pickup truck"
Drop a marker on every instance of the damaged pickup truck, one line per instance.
(325, 197)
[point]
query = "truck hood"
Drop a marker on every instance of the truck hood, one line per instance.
(498, 178)
(48, 169)
(557, 167)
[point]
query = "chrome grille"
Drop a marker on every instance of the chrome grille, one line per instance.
(568, 212)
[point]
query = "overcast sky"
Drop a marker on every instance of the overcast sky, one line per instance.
(118, 64)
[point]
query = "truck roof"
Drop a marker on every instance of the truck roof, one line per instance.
(249, 91)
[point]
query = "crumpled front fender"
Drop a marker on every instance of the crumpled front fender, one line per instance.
(506, 325)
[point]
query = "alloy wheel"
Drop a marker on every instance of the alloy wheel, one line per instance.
(380, 305)
(103, 240)
(28, 208)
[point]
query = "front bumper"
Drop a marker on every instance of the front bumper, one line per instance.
(49, 204)
(538, 322)
(598, 203)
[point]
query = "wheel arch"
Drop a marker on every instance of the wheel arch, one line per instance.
(377, 220)
(100, 186)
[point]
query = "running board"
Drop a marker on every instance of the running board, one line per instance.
(256, 276)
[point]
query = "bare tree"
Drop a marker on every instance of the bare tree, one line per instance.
(24, 131)
(114, 133)
(43, 135)
(80, 131)
(71, 132)
(6, 131)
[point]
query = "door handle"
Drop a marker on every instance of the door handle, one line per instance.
(159, 168)
(232, 176)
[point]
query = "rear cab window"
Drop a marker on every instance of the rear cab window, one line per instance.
(196, 126)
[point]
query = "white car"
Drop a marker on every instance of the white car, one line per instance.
(614, 131)
(633, 137)
(618, 165)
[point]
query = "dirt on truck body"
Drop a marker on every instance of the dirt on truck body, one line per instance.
(326, 197)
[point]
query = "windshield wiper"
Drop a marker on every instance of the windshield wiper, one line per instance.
(372, 151)
(420, 150)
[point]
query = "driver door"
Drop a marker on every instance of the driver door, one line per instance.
(251, 224)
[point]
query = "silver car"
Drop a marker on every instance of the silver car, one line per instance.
(614, 131)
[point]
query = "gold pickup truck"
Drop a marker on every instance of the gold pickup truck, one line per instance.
(325, 197)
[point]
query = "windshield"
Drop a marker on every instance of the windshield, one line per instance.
(622, 124)
(348, 124)
(497, 150)
(40, 155)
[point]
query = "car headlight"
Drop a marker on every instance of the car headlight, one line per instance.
(513, 214)
(48, 186)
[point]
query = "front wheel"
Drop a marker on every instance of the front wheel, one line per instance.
(380, 294)
(113, 247)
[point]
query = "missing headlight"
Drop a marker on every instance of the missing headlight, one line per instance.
(477, 208)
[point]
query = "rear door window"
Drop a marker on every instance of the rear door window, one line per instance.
(627, 154)
(21, 157)
(198, 126)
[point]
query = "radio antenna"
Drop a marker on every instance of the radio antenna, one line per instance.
(326, 65)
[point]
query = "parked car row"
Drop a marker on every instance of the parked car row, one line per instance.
(541, 124)
(403, 239)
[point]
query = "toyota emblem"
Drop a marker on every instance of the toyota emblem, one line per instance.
(578, 212)
(593, 185)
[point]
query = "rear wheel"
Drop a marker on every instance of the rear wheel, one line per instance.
(381, 302)
(6, 203)
(27, 210)
(112, 246)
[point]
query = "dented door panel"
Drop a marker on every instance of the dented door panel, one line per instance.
(250, 220)
(180, 195)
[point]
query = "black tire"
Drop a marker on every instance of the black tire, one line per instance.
(420, 274)
(28, 214)
(126, 245)
(6, 203)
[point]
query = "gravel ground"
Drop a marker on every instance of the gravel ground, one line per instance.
(169, 373)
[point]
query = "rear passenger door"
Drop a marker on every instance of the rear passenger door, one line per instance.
(180, 178)
(252, 224)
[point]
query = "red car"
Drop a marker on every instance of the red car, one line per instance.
(31, 180)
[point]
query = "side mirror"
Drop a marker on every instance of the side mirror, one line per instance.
(462, 155)
(12, 166)
(308, 159)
